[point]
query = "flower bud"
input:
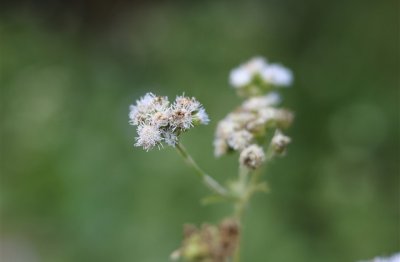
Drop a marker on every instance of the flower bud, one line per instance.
(252, 157)
(280, 142)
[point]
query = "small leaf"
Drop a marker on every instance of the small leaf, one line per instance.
(215, 199)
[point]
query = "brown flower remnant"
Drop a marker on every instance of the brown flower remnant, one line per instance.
(209, 243)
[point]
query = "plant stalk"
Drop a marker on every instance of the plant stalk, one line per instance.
(210, 182)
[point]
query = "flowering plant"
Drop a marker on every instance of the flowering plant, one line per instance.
(254, 130)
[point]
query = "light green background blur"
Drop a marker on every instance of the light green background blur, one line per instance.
(73, 187)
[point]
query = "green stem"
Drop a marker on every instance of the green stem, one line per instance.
(210, 182)
(247, 188)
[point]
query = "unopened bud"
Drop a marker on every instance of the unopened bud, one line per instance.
(252, 157)
(280, 142)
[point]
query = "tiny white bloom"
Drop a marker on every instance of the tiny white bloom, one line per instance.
(268, 114)
(160, 118)
(240, 139)
(148, 136)
(279, 142)
(181, 118)
(146, 101)
(243, 75)
(145, 107)
(277, 74)
(170, 138)
(252, 157)
(240, 77)
(241, 118)
(133, 115)
(202, 116)
(220, 147)
(256, 65)
(259, 102)
(187, 103)
(225, 128)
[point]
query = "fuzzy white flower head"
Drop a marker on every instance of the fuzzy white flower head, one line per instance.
(184, 102)
(220, 147)
(148, 137)
(181, 119)
(268, 114)
(170, 138)
(158, 121)
(202, 117)
(145, 107)
(225, 128)
(256, 64)
(280, 142)
(259, 102)
(241, 118)
(240, 139)
(239, 77)
(277, 75)
(161, 118)
(186, 112)
(252, 157)
(243, 75)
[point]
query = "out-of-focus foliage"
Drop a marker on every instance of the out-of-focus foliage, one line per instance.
(73, 187)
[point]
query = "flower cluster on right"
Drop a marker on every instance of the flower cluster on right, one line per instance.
(258, 76)
(258, 119)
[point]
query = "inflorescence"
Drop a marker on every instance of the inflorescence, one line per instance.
(257, 75)
(254, 130)
(159, 121)
(246, 128)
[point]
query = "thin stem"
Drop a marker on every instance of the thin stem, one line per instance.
(247, 187)
(210, 182)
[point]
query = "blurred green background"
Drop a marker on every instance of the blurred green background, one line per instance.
(73, 187)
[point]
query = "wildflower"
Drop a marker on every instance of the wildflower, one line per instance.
(210, 243)
(201, 117)
(186, 112)
(277, 75)
(148, 136)
(243, 75)
(161, 118)
(145, 107)
(170, 138)
(252, 157)
(160, 121)
(221, 147)
(249, 122)
(240, 139)
(259, 102)
(181, 119)
(279, 142)
(256, 76)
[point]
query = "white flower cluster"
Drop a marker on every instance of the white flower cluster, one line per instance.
(241, 128)
(257, 71)
(160, 121)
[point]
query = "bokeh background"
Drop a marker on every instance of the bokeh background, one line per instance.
(73, 187)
